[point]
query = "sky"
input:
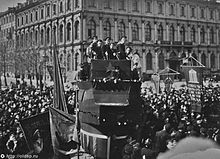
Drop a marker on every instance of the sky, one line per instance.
(4, 4)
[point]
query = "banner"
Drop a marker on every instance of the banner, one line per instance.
(156, 80)
(168, 81)
(193, 75)
(37, 134)
(50, 135)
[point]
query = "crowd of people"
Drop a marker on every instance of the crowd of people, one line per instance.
(21, 102)
(169, 118)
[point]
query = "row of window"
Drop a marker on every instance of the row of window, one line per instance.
(39, 36)
(149, 59)
(7, 19)
(46, 11)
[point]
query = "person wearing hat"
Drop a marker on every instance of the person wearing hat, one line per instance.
(121, 48)
(97, 49)
(106, 48)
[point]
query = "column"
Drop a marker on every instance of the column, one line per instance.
(116, 30)
(129, 31)
(100, 28)
(188, 34)
(143, 32)
(167, 28)
(198, 35)
(84, 28)
(178, 32)
(208, 36)
(155, 31)
(144, 62)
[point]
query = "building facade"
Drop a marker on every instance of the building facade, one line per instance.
(177, 27)
(7, 41)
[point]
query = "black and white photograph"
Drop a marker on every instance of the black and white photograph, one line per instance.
(109, 79)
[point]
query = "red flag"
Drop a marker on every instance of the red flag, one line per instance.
(59, 100)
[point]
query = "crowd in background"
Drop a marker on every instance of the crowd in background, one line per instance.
(168, 118)
(20, 102)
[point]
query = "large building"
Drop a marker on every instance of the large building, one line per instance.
(177, 27)
(7, 41)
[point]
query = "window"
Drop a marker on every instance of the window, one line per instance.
(107, 4)
(36, 37)
(171, 9)
(212, 60)
(77, 30)
(160, 8)
(212, 36)
(160, 33)
(42, 13)
(76, 60)
(135, 5)
(42, 37)
(107, 29)
(135, 32)
(31, 35)
(121, 30)
(193, 34)
(26, 18)
(148, 32)
(18, 21)
(149, 61)
(68, 62)
(48, 10)
(31, 17)
(91, 3)
(68, 5)
(61, 33)
(182, 33)
(202, 13)
(121, 4)
(172, 33)
(193, 12)
(211, 14)
(203, 59)
(36, 15)
(76, 4)
(61, 7)
(161, 61)
(202, 35)
(91, 28)
(68, 36)
(182, 11)
(48, 35)
(54, 9)
(148, 6)
(22, 20)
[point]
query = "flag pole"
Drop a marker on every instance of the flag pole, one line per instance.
(77, 119)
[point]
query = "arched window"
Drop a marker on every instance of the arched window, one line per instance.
(121, 30)
(148, 32)
(61, 59)
(212, 60)
(161, 61)
(182, 33)
(61, 33)
(171, 9)
(26, 40)
(121, 4)
(202, 35)
(107, 29)
(91, 28)
(203, 59)
(36, 37)
(68, 62)
(172, 33)
(54, 34)
(61, 7)
(42, 37)
(48, 35)
(149, 61)
(160, 8)
(193, 34)
(76, 30)
(31, 37)
(68, 28)
(212, 36)
(68, 4)
(76, 60)
(135, 32)
(160, 33)
(135, 5)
